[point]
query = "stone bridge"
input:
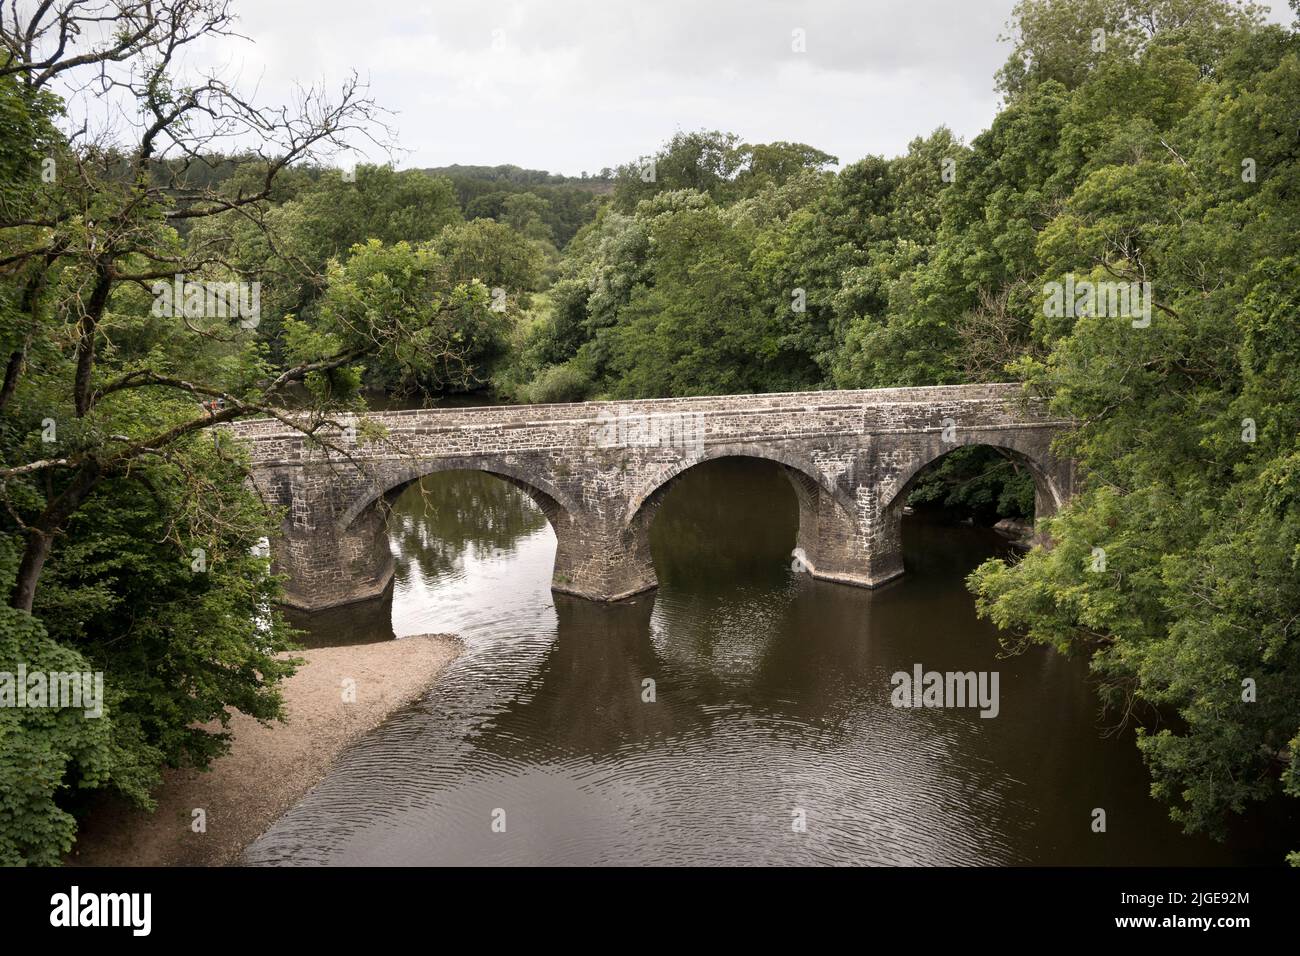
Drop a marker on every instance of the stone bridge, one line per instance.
(599, 471)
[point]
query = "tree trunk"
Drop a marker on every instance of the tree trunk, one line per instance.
(12, 371)
(40, 535)
(86, 343)
(31, 297)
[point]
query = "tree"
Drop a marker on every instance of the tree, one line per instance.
(1176, 570)
(525, 213)
(694, 331)
(104, 226)
(287, 250)
(422, 324)
(492, 253)
(1066, 41)
(128, 531)
(704, 161)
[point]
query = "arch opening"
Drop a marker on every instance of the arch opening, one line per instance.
(745, 507)
(387, 487)
(335, 549)
(431, 520)
(728, 518)
(461, 518)
(651, 494)
(981, 483)
(441, 544)
(979, 480)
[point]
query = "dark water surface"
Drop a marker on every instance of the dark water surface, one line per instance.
(772, 704)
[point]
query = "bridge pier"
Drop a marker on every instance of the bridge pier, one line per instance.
(864, 549)
(597, 559)
(327, 558)
(328, 567)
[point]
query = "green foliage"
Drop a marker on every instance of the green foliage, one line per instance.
(563, 204)
(1065, 42)
(750, 268)
(693, 331)
(559, 383)
(716, 164)
(495, 254)
(177, 648)
(43, 750)
(1187, 431)
(321, 221)
(423, 322)
(209, 641)
(376, 202)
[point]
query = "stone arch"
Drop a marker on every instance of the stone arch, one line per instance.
(343, 555)
(828, 522)
(803, 475)
(390, 483)
(1051, 488)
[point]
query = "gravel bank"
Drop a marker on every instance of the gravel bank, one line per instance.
(268, 768)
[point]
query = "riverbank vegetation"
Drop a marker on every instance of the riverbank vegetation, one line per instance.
(1138, 142)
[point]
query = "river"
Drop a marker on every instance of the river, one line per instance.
(767, 736)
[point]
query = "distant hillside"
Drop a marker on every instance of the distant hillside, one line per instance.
(568, 202)
(601, 182)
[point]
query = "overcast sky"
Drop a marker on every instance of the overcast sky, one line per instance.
(569, 86)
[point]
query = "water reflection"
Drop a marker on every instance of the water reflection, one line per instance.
(770, 701)
(478, 518)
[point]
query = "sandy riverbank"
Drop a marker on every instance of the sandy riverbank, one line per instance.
(268, 768)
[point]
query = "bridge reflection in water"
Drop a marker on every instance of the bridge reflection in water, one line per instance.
(771, 696)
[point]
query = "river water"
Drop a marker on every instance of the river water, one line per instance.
(767, 736)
